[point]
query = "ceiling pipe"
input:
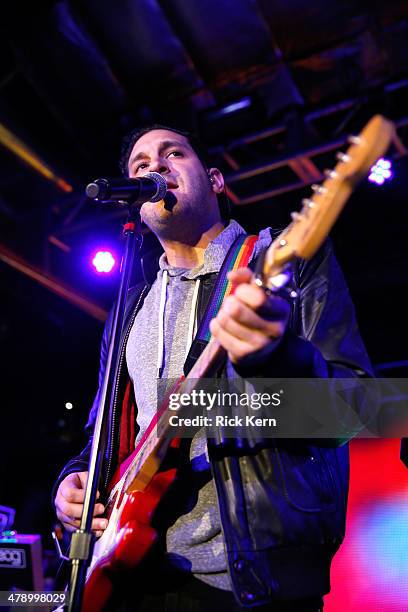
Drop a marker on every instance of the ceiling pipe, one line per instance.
(29, 157)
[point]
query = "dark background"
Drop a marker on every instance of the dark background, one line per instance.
(76, 76)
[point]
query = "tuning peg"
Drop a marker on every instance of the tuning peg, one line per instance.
(308, 203)
(331, 174)
(354, 140)
(318, 188)
(343, 157)
(296, 216)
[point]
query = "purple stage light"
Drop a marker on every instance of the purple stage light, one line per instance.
(381, 171)
(103, 262)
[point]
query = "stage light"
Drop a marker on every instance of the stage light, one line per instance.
(103, 262)
(381, 171)
(68, 406)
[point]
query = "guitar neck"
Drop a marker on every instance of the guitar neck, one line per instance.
(209, 362)
(149, 453)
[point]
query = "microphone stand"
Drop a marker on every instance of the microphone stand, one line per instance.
(83, 539)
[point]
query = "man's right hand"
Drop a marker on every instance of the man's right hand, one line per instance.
(69, 503)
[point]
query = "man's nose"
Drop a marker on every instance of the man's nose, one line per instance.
(159, 164)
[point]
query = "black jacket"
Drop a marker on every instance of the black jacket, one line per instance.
(283, 505)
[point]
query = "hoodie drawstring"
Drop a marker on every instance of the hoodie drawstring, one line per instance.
(160, 345)
(192, 324)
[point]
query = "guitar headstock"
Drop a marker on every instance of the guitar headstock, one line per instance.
(312, 224)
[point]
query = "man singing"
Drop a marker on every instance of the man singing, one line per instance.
(257, 528)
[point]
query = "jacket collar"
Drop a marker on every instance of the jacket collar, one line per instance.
(150, 265)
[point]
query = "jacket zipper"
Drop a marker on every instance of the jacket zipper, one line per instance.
(115, 396)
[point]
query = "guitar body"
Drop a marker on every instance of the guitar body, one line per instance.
(127, 540)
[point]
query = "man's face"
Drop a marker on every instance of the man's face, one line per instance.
(190, 205)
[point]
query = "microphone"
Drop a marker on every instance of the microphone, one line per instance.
(151, 187)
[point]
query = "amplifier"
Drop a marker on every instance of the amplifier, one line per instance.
(21, 563)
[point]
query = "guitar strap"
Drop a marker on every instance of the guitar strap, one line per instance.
(238, 256)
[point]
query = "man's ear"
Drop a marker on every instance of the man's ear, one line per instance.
(216, 180)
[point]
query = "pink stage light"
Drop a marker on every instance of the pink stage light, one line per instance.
(104, 262)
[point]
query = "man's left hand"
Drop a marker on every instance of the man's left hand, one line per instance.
(249, 320)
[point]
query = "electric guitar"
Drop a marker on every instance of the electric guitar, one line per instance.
(141, 481)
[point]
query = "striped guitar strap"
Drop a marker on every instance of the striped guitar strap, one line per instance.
(238, 256)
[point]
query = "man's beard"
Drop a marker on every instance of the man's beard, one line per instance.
(177, 225)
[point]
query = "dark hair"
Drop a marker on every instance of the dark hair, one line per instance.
(130, 140)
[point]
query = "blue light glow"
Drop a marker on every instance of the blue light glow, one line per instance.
(383, 536)
(235, 106)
